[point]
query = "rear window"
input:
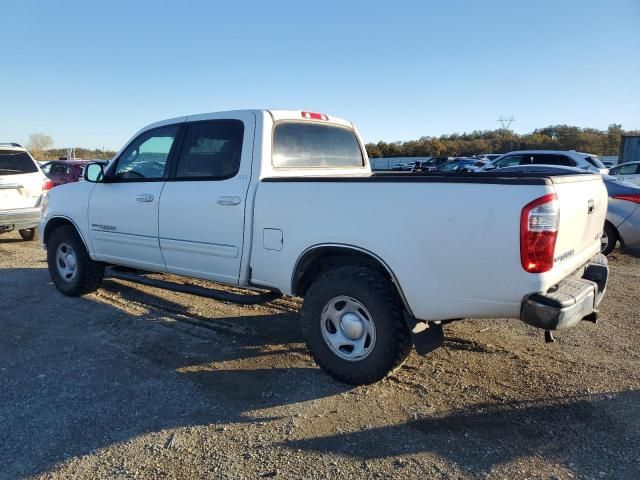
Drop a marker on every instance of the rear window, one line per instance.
(14, 163)
(595, 161)
(310, 145)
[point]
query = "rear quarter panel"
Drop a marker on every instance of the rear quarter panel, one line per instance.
(453, 247)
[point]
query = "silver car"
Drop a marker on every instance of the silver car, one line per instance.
(623, 214)
(564, 158)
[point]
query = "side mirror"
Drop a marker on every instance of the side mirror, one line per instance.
(94, 172)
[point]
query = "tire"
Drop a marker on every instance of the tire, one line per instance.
(65, 250)
(28, 234)
(376, 303)
(611, 236)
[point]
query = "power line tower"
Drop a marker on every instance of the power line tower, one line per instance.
(505, 123)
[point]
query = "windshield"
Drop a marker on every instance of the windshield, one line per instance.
(14, 162)
(305, 145)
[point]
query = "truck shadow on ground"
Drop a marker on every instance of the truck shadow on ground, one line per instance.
(79, 375)
(484, 436)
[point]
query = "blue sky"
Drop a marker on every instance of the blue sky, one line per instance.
(92, 73)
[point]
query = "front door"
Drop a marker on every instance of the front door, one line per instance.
(123, 210)
(202, 207)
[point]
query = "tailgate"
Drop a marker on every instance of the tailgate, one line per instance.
(583, 208)
(20, 191)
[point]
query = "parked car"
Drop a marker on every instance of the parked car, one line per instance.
(622, 223)
(281, 200)
(627, 171)
(64, 171)
(22, 186)
(430, 165)
(564, 158)
(487, 157)
(403, 167)
(462, 164)
(609, 164)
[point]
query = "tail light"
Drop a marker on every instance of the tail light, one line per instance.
(47, 185)
(630, 197)
(314, 116)
(539, 222)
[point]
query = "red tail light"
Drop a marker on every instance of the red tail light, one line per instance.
(315, 116)
(631, 197)
(47, 185)
(539, 222)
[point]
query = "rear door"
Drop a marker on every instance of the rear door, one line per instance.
(20, 180)
(202, 208)
(123, 211)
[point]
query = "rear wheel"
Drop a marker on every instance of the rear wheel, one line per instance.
(609, 239)
(71, 269)
(354, 327)
(28, 234)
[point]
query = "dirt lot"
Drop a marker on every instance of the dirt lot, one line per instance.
(135, 382)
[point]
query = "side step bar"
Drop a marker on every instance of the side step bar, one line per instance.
(248, 299)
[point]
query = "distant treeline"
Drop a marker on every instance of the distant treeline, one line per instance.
(84, 153)
(558, 137)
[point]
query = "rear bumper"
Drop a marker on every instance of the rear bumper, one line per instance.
(573, 299)
(20, 218)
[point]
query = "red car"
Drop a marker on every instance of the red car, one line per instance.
(64, 171)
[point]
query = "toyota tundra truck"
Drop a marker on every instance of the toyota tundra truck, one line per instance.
(285, 201)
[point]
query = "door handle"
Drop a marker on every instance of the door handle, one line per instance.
(229, 200)
(145, 197)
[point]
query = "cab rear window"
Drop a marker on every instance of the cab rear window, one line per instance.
(312, 145)
(15, 163)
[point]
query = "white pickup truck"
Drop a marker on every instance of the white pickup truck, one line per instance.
(286, 201)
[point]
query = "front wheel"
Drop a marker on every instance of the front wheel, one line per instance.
(609, 239)
(28, 234)
(354, 327)
(71, 269)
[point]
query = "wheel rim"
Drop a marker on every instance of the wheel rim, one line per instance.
(348, 328)
(604, 241)
(66, 262)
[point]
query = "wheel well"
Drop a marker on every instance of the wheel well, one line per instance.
(618, 237)
(323, 259)
(54, 224)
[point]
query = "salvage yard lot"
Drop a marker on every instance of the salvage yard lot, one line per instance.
(136, 382)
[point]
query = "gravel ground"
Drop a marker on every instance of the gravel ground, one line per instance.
(136, 382)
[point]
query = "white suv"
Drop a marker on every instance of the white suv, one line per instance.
(22, 185)
(565, 158)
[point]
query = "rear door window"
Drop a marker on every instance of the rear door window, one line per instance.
(211, 150)
(15, 163)
(312, 145)
(549, 159)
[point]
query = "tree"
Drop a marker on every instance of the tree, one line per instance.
(39, 142)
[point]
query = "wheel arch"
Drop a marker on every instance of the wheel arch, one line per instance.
(615, 229)
(321, 258)
(60, 221)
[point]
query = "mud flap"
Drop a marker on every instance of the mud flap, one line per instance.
(428, 339)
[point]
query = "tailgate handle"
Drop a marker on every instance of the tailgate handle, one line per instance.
(590, 206)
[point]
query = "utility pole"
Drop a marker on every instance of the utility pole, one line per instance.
(505, 123)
